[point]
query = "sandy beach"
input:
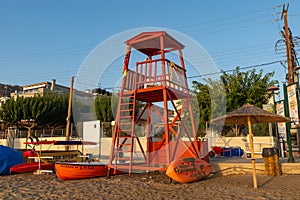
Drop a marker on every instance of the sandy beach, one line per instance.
(149, 186)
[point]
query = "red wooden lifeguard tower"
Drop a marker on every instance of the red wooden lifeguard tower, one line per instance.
(155, 80)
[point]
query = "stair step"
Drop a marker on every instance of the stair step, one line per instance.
(125, 116)
(128, 132)
(126, 110)
(127, 93)
(127, 136)
(127, 97)
(124, 130)
(120, 129)
(125, 113)
(125, 144)
(125, 126)
(125, 123)
(128, 118)
(126, 103)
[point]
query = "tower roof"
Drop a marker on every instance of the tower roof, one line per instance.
(149, 42)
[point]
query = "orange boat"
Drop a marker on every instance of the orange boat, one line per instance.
(80, 170)
(186, 170)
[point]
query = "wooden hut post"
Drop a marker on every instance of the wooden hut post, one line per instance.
(252, 151)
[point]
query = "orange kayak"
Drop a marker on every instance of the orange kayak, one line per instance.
(31, 167)
(186, 170)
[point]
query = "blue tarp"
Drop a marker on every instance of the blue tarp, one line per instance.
(232, 151)
(8, 158)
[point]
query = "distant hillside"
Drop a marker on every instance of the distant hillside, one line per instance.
(5, 89)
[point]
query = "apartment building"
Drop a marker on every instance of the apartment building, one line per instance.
(40, 89)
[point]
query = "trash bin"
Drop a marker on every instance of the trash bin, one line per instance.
(271, 160)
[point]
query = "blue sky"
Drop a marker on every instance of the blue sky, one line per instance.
(45, 40)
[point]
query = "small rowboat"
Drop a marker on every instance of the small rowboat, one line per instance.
(77, 170)
(186, 170)
(80, 170)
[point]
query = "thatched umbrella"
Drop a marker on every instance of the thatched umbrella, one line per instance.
(249, 114)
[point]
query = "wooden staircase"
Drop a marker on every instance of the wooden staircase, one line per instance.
(124, 132)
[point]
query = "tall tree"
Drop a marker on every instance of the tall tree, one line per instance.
(211, 100)
(215, 97)
(49, 110)
(103, 110)
(246, 87)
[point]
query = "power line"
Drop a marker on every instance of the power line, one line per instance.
(251, 48)
(82, 49)
(221, 19)
(208, 32)
(237, 21)
(222, 71)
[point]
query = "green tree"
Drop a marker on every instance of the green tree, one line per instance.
(203, 110)
(211, 100)
(103, 111)
(246, 87)
(105, 108)
(49, 110)
(231, 92)
(204, 100)
(54, 109)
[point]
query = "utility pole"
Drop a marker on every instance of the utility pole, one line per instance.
(288, 46)
(290, 78)
(68, 127)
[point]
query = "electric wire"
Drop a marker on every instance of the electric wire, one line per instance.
(79, 50)
(222, 71)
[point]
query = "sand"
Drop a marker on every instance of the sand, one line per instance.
(149, 186)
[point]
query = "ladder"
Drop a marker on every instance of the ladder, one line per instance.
(124, 132)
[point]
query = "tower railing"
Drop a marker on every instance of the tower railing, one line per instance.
(155, 73)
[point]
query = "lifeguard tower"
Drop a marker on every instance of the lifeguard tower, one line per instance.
(155, 80)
